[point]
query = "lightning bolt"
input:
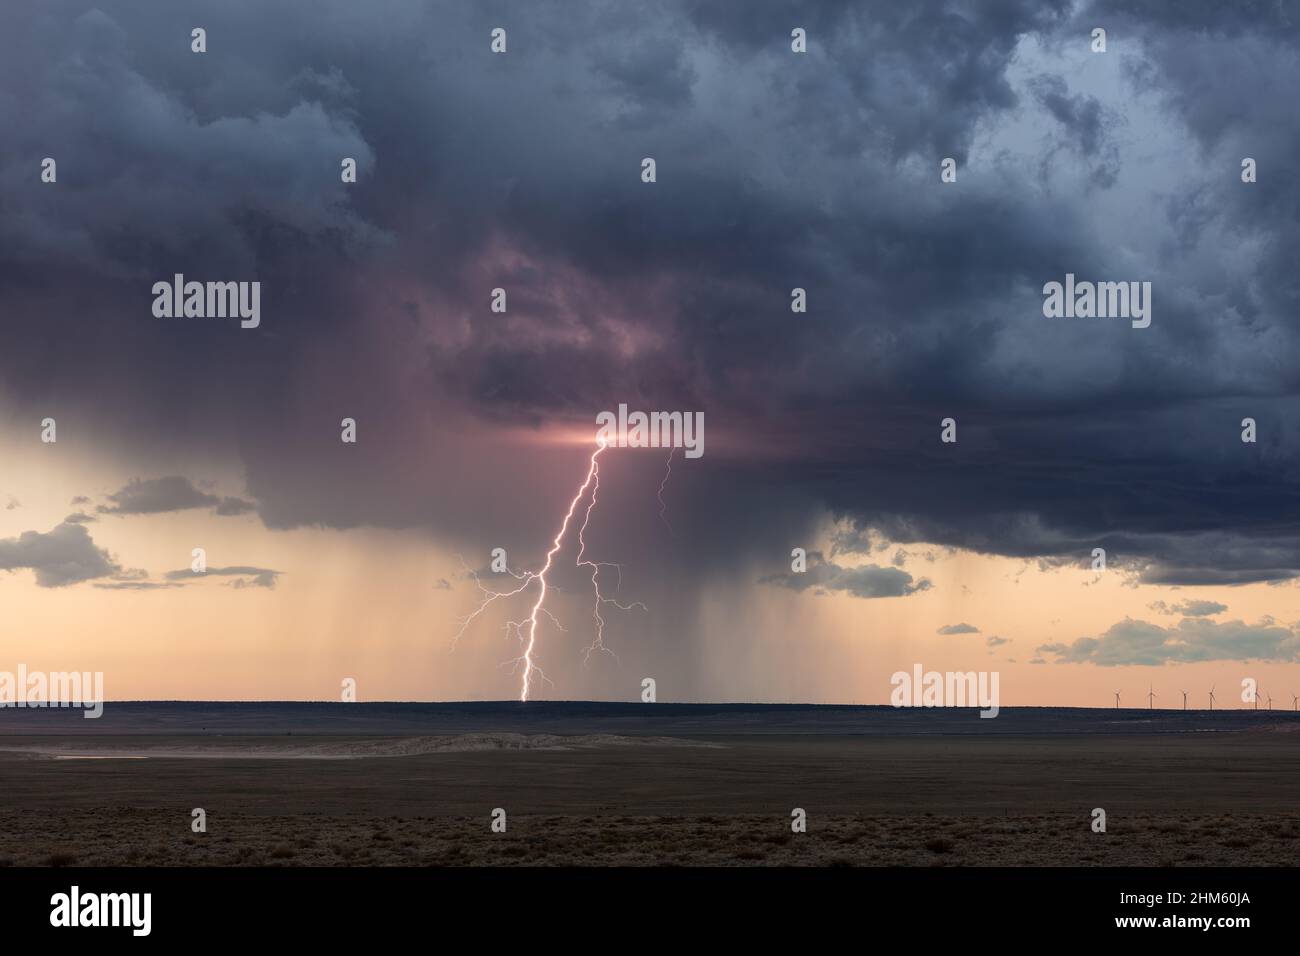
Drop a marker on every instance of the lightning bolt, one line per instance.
(663, 507)
(525, 631)
(598, 644)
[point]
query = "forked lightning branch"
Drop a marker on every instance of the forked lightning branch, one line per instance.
(671, 430)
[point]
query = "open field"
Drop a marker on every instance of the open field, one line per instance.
(117, 837)
(659, 796)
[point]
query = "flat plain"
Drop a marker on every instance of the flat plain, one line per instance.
(598, 784)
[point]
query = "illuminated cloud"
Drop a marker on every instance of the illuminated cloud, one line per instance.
(1192, 639)
(1190, 608)
(247, 576)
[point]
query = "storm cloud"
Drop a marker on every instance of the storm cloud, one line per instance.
(775, 170)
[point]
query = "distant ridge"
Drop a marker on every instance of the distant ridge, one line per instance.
(257, 718)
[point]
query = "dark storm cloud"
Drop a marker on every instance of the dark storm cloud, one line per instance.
(64, 555)
(1265, 18)
(1080, 115)
(918, 76)
(170, 493)
(653, 74)
(1084, 122)
(775, 170)
(146, 173)
(1192, 639)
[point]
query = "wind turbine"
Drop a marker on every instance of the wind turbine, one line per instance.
(1151, 696)
(1184, 700)
(1258, 693)
(1295, 701)
(1117, 700)
(1270, 701)
(1211, 697)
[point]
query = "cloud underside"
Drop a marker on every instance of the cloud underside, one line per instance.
(167, 494)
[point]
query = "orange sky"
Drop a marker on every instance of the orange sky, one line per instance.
(366, 604)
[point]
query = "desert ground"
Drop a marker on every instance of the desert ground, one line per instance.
(639, 789)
